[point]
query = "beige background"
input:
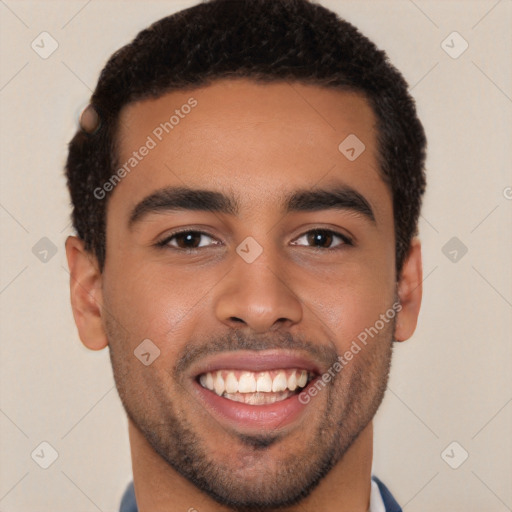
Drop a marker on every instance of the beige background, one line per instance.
(451, 382)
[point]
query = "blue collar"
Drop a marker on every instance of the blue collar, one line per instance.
(388, 499)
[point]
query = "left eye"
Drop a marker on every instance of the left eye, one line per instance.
(323, 239)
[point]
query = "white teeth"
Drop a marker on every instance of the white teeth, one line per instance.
(240, 385)
(231, 383)
(258, 398)
(255, 399)
(209, 381)
(292, 381)
(247, 383)
(263, 398)
(264, 382)
(218, 385)
(280, 383)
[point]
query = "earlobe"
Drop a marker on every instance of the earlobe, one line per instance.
(409, 293)
(86, 294)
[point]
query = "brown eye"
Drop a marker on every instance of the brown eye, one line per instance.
(323, 239)
(188, 240)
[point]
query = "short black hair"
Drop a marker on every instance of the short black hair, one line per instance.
(263, 40)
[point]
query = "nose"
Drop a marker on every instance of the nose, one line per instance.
(257, 295)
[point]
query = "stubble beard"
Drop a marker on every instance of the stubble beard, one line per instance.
(350, 405)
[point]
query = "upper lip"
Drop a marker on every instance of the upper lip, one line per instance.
(255, 361)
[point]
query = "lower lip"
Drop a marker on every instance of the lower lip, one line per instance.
(245, 416)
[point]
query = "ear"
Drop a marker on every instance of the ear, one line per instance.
(86, 294)
(410, 289)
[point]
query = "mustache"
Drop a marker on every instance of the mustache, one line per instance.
(324, 355)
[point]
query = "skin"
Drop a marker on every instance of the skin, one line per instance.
(259, 142)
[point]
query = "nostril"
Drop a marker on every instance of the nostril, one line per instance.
(236, 319)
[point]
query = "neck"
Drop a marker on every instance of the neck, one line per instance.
(159, 488)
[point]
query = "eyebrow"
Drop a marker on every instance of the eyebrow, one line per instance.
(183, 198)
(340, 197)
(168, 199)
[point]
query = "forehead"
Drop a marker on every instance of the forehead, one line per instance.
(260, 138)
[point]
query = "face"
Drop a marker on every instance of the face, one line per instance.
(253, 254)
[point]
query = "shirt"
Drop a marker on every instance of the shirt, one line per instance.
(381, 500)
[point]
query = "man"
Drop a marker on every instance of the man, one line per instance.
(246, 186)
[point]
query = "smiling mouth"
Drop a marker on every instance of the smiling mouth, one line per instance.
(256, 388)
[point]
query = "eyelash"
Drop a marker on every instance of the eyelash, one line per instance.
(165, 241)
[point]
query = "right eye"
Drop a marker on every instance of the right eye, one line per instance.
(187, 240)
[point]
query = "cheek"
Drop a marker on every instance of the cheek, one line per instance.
(152, 302)
(348, 301)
